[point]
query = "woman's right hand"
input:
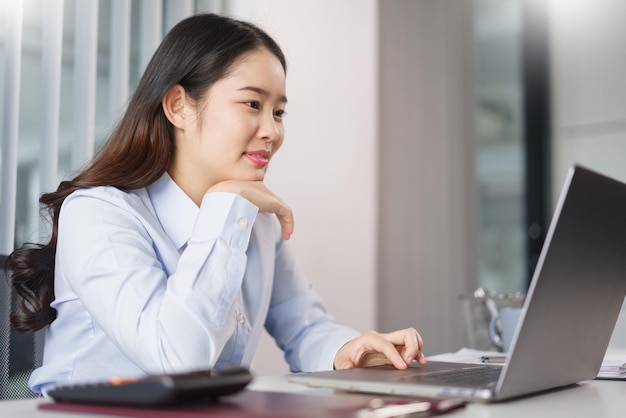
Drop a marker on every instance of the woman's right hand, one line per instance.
(257, 193)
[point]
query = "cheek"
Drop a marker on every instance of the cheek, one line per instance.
(237, 127)
(279, 143)
(219, 136)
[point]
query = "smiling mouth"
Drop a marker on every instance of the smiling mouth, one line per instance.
(259, 158)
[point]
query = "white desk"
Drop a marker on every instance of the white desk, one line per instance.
(589, 399)
(597, 399)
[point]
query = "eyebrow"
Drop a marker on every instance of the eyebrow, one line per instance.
(262, 92)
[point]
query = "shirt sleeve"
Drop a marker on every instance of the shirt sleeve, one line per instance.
(299, 321)
(161, 323)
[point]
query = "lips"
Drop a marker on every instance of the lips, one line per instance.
(259, 158)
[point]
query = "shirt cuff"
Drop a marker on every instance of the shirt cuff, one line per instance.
(227, 215)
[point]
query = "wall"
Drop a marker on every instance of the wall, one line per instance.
(588, 93)
(327, 169)
(428, 189)
(589, 97)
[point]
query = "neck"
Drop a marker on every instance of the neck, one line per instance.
(192, 187)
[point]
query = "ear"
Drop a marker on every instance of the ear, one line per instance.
(175, 106)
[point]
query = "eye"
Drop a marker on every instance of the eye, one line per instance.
(253, 104)
(280, 114)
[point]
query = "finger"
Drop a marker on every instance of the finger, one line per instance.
(286, 226)
(422, 358)
(377, 343)
(390, 351)
(287, 231)
(409, 342)
(285, 217)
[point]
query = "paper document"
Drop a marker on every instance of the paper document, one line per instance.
(613, 366)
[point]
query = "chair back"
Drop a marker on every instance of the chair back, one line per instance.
(20, 353)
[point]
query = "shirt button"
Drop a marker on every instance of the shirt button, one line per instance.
(241, 319)
(243, 223)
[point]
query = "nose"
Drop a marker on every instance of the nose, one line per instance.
(270, 129)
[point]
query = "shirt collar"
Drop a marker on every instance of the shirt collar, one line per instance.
(176, 211)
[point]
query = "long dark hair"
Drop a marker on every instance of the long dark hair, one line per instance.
(196, 53)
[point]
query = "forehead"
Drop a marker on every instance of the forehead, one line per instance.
(259, 68)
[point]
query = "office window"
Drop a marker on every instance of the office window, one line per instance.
(30, 109)
(157, 15)
(500, 144)
(513, 139)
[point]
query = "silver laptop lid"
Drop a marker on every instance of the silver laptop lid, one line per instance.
(576, 292)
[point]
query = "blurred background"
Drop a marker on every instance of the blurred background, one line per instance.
(427, 140)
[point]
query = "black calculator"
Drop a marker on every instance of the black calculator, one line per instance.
(165, 389)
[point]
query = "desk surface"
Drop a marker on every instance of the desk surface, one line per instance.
(606, 399)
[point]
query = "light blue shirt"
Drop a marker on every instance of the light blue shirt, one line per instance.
(148, 282)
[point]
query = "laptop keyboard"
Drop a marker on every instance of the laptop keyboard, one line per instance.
(475, 377)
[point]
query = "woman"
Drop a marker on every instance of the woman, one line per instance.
(167, 252)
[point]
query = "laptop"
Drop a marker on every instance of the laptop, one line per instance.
(568, 316)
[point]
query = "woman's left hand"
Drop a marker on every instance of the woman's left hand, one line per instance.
(399, 348)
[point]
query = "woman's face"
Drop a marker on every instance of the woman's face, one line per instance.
(238, 127)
